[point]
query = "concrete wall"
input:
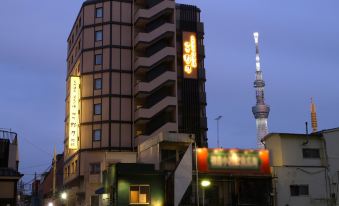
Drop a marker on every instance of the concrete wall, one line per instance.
(313, 177)
(332, 144)
(12, 157)
(289, 167)
(92, 182)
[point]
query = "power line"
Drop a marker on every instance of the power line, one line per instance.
(35, 166)
(34, 145)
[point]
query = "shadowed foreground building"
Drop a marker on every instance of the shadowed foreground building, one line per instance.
(9, 164)
(135, 72)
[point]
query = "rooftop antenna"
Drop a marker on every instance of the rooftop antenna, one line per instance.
(307, 137)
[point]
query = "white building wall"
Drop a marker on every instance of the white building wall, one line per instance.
(292, 151)
(289, 167)
(332, 147)
(313, 177)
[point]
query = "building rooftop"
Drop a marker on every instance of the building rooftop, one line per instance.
(311, 135)
(6, 134)
(9, 172)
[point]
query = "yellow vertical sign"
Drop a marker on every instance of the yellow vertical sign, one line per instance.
(73, 121)
(190, 59)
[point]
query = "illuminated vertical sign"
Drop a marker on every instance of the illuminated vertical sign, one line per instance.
(73, 121)
(190, 59)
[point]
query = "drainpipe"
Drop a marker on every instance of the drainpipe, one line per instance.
(327, 178)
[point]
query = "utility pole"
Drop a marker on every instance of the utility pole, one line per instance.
(54, 172)
(217, 119)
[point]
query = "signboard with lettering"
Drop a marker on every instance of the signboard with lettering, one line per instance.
(190, 55)
(233, 161)
(73, 121)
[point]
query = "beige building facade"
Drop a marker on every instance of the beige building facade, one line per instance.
(135, 69)
(304, 168)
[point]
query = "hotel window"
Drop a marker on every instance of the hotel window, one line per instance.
(99, 12)
(97, 84)
(98, 35)
(97, 135)
(139, 194)
(98, 59)
(97, 109)
(311, 153)
(299, 190)
(94, 168)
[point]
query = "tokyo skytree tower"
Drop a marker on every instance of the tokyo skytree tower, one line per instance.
(260, 110)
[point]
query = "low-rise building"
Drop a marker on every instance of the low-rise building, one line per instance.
(234, 177)
(304, 167)
(46, 183)
(9, 164)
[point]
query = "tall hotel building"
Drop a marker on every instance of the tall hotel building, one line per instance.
(134, 69)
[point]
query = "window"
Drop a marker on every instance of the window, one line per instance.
(97, 135)
(98, 83)
(94, 200)
(311, 153)
(99, 12)
(139, 194)
(94, 168)
(97, 109)
(98, 35)
(298, 190)
(98, 59)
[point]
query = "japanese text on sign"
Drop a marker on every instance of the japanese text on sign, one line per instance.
(73, 126)
(190, 59)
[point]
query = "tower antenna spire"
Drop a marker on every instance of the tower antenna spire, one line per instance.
(260, 110)
(314, 117)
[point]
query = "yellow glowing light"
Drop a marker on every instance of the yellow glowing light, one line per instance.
(190, 52)
(205, 183)
(73, 121)
(234, 158)
(64, 195)
(105, 196)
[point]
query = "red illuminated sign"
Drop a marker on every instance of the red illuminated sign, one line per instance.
(233, 161)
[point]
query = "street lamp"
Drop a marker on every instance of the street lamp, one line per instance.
(63, 195)
(217, 119)
(204, 184)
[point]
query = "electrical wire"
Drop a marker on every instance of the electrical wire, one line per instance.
(34, 145)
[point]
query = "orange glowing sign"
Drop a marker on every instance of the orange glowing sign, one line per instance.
(233, 161)
(190, 59)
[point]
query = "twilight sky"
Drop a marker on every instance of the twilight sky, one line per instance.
(299, 45)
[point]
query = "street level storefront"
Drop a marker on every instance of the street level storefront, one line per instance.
(133, 184)
(234, 177)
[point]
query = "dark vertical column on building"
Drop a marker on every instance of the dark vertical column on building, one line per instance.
(4, 152)
(110, 78)
(190, 91)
